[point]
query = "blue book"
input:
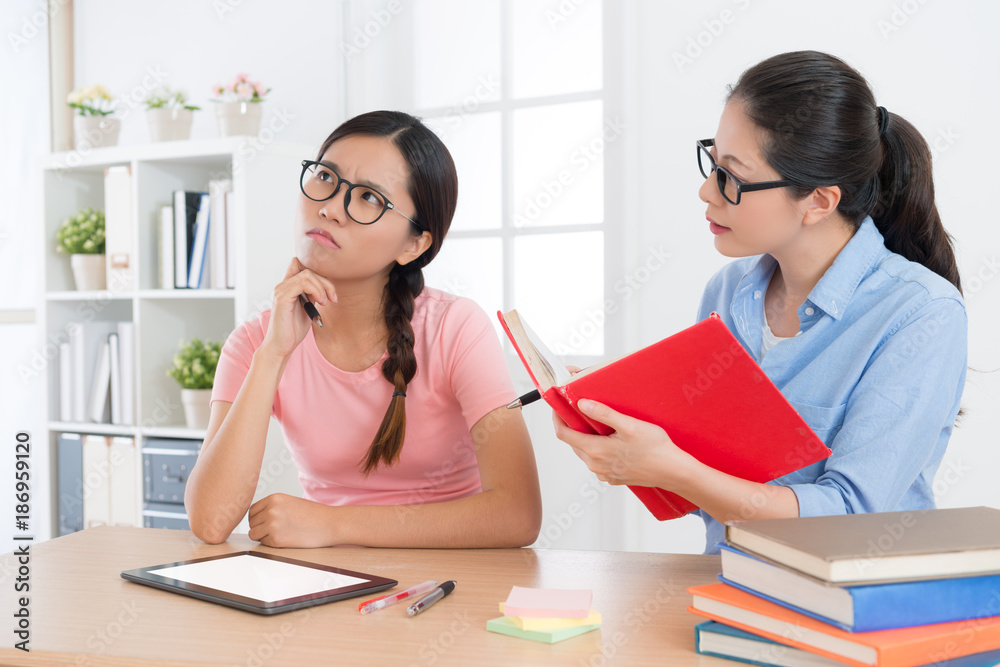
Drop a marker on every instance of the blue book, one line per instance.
(868, 607)
(723, 641)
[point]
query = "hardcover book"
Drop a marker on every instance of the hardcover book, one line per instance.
(700, 386)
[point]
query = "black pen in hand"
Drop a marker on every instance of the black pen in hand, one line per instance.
(530, 397)
(311, 310)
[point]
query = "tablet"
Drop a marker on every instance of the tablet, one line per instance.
(258, 582)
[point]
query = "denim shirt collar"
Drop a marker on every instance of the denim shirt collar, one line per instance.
(834, 290)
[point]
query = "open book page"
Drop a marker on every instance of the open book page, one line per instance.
(543, 363)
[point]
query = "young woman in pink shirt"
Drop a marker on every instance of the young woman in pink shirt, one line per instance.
(392, 410)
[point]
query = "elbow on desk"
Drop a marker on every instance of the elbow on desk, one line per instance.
(206, 526)
(205, 531)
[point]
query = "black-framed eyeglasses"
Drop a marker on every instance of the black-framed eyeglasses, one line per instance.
(364, 205)
(731, 187)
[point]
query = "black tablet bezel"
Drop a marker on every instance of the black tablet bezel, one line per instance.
(373, 584)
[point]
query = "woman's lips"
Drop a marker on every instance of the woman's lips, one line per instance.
(716, 228)
(322, 237)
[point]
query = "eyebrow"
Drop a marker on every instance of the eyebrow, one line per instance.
(735, 159)
(366, 183)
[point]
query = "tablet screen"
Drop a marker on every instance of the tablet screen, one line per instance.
(258, 578)
(262, 583)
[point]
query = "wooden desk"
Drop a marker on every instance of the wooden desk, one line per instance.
(84, 613)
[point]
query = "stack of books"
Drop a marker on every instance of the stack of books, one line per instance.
(197, 240)
(892, 589)
(546, 615)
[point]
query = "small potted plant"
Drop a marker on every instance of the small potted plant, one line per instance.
(169, 115)
(238, 106)
(194, 369)
(93, 126)
(81, 236)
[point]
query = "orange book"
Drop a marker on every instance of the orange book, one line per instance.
(700, 386)
(902, 647)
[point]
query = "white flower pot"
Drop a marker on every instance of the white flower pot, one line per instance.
(89, 272)
(237, 118)
(197, 407)
(95, 131)
(170, 124)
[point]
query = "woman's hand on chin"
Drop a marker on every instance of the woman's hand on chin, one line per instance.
(289, 321)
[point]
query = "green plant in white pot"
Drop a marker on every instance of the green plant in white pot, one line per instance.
(194, 369)
(93, 124)
(81, 236)
(169, 115)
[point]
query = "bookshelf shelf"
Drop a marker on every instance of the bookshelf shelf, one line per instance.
(264, 189)
(90, 295)
(187, 294)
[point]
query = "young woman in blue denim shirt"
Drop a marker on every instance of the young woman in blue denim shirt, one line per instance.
(847, 294)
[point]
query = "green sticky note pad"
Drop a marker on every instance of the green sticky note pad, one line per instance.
(505, 626)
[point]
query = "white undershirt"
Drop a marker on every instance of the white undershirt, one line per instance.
(769, 340)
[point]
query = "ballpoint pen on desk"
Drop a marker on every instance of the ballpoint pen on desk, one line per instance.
(389, 600)
(424, 603)
(311, 310)
(530, 397)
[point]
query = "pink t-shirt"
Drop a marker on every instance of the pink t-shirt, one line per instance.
(330, 416)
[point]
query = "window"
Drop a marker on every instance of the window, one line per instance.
(523, 111)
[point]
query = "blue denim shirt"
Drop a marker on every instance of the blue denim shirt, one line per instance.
(877, 372)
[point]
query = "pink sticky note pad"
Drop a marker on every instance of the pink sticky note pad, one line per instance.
(548, 603)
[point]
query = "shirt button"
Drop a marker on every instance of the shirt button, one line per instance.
(756, 294)
(810, 311)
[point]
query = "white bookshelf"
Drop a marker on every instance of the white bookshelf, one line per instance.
(265, 188)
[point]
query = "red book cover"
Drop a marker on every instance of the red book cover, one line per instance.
(701, 387)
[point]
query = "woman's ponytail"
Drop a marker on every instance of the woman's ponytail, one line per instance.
(906, 213)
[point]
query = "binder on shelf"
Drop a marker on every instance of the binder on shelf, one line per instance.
(230, 213)
(96, 482)
(118, 228)
(65, 382)
(99, 410)
(185, 215)
(69, 457)
(166, 248)
(126, 364)
(123, 494)
(199, 248)
(77, 374)
(115, 379)
(219, 229)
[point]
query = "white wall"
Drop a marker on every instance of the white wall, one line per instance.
(293, 46)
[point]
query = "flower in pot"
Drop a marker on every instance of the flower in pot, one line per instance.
(194, 369)
(169, 115)
(93, 125)
(81, 236)
(237, 105)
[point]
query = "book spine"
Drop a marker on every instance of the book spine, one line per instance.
(180, 239)
(122, 497)
(114, 358)
(167, 247)
(907, 604)
(97, 490)
(118, 228)
(65, 382)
